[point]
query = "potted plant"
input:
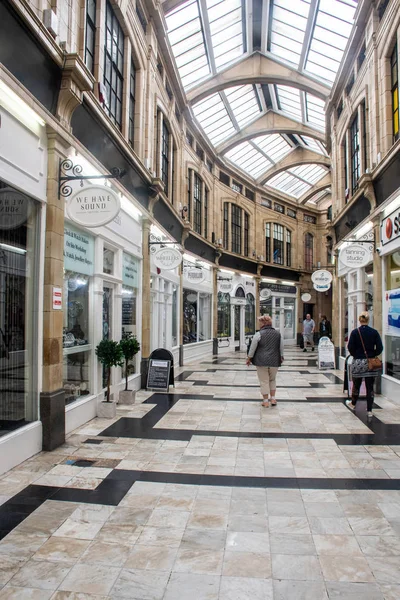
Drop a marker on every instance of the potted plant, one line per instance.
(110, 355)
(130, 347)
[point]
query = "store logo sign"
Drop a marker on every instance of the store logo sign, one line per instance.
(194, 274)
(322, 287)
(355, 256)
(322, 278)
(225, 286)
(93, 206)
(306, 297)
(390, 228)
(265, 293)
(167, 258)
(14, 208)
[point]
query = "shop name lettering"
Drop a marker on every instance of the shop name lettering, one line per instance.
(194, 275)
(355, 255)
(11, 205)
(93, 202)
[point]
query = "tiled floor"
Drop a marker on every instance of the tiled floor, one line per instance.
(202, 494)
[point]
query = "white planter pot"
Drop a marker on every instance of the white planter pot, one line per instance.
(127, 397)
(106, 410)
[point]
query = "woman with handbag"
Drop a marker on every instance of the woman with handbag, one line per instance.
(266, 353)
(364, 346)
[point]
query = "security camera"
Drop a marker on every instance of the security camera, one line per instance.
(378, 250)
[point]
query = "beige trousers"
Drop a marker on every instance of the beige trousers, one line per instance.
(267, 379)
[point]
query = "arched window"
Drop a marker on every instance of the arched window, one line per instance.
(224, 315)
(250, 315)
(308, 251)
(278, 244)
(240, 293)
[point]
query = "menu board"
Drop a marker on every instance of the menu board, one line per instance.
(158, 374)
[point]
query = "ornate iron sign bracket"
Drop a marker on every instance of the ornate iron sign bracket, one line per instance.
(156, 241)
(67, 172)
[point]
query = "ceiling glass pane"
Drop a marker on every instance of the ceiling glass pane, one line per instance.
(289, 101)
(213, 118)
(315, 111)
(288, 26)
(312, 143)
(274, 145)
(248, 158)
(319, 196)
(310, 173)
(226, 30)
(289, 184)
(244, 103)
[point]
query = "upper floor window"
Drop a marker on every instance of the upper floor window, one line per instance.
(278, 244)
(113, 66)
(236, 228)
(395, 92)
(308, 251)
(141, 17)
(90, 37)
(355, 153)
(165, 156)
(237, 187)
(236, 222)
(225, 237)
(197, 203)
(131, 132)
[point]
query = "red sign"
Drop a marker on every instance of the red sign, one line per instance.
(57, 298)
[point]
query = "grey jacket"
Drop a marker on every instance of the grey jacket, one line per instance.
(266, 348)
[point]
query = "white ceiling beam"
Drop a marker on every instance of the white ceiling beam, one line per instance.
(308, 34)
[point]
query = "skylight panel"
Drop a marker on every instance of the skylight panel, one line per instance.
(313, 144)
(274, 145)
(244, 103)
(315, 111)
(226, 30)
(214, 119)
(310, 173)
(319, 195)
(289, 101)
(289, 22)
(185, 35)
(288, 184)
(249, 159)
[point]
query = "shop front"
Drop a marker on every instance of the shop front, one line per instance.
(280, 301)
(23, 179)
(196, 308)
(390, 253)
(236, 306)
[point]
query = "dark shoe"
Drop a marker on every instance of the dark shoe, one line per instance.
(312, 349)
(304, 349)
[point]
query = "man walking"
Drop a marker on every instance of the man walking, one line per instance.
(308, 332)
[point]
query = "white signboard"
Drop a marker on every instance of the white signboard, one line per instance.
(355, 256)
(322, 287)
(93, 206)
(306, 297)
(14, 208)
(225, 286)
(326, 354)
(167, 258)
(57, 298)
(194, 275)
(265, 293)
(238, 301)
(390, 230)
(321, 277)
(391, 312)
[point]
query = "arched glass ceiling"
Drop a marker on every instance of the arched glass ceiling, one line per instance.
(296, 181)
(260, 154)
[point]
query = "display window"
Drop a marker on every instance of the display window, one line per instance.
(77, 348)
(164, 309)
(196, 316)
(391, 316)
(19, 233)
(130, 267)
(224, 314)
(250, 315)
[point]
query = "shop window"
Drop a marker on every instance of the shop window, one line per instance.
(108, 261)
(250, 315)
(224, 315)
(129, 301)
(308, 252)
(395, 92)
(288, 248)
(19, 234)
(196, 316)
(278, 244)
(90, 38)
(392, 316)
(197, 202)
(355, 153)
(236, 228)
(204, 317)
(268, 242)
(174, 315)
(226, 225)
(131, 133)
(114, 66)
(165, 157)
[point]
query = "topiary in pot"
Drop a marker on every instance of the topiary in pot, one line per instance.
(110, 355)
(130, 347)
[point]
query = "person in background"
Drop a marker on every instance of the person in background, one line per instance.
(325, 327)
(266, 353)
(308, 332)
(364, 342)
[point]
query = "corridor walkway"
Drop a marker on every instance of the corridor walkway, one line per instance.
(202, 494)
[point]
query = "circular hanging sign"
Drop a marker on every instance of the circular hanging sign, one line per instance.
(93, 206)
(265, 293)
(14, 208)
(321, 277)
(396, 258)
(324, 287)
(194, 274)
(167, 258)
(225, 286)
(191, 298)
(355, 256)
(306, 297)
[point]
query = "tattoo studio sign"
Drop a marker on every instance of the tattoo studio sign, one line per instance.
(93, 206)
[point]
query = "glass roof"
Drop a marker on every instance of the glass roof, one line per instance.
(310, 36)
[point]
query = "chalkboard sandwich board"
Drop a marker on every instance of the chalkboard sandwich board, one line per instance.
(158, 375)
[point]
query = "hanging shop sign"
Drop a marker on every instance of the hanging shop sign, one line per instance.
(279, 288)
(14, 208)
(78, 251)
(225, 286)
(194, 274)
(321, 277)
(265, 293)
(306, 297)
(93, 206)
(324, 287)
(167, 258)
(355, 256)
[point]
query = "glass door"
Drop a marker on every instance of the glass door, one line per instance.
(237, 324)
(289, 318)
(107, 319)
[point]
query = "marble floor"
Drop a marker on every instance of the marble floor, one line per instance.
(202, 494)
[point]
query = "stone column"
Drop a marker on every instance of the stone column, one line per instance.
(215, 310)
(377, 262)
(52, 397)
(146, 300)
